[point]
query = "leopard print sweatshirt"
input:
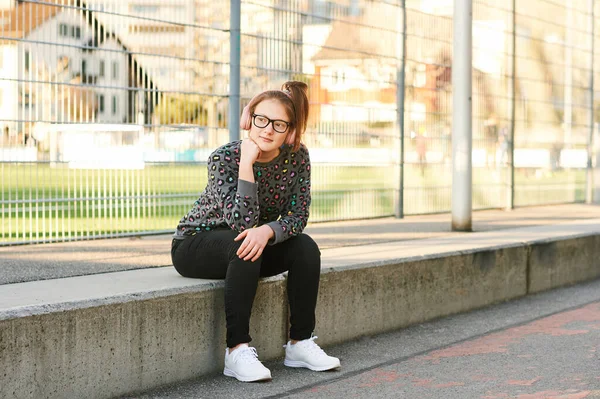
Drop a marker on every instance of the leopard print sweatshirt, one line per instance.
(280, 196)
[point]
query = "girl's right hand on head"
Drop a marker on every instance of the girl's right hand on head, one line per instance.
(250, 151)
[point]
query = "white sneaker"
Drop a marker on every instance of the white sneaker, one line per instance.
(244, 365)
(308, 354)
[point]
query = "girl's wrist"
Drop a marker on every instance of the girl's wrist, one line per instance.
(270, 230)
(246, 162)
(246, 171)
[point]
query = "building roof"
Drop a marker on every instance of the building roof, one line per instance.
(19, 20)
(346, 41)
(374, 34)
(22, 18)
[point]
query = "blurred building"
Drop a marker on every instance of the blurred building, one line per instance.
(356, 66)
(159, 33)
(142, 61)
(90, 77)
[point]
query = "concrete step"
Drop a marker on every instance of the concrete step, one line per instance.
(111, 334)
(394, 365)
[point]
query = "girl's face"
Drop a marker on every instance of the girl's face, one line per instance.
(267, 138)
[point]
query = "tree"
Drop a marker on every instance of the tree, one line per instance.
(181, 109)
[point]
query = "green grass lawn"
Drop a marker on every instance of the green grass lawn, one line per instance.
(41, 202)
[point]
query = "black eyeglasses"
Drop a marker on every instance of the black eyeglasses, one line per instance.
(262, 121)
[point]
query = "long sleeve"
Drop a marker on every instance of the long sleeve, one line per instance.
(237, 199)
(295, 216)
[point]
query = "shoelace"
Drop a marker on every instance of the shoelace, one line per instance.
(248, 355)
(311, 346)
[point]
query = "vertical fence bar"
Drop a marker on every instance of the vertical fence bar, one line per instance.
(513, 107)
(400, 98)
(589, 181)
(462, 174)
(234, 69)
(568, 102)
(4, 175)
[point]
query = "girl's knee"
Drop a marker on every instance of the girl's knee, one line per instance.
(308, 244)
(306, 248)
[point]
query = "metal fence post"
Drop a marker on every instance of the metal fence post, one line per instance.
(568, 93)
(400, 93)
(234, 69)
(511, 140)
(589, 181)
(462, 110)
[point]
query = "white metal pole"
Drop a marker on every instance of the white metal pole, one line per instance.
(400, 100)
(461, 116)
(568, 103)
(234, 69)
(589, 181)
(513, 104)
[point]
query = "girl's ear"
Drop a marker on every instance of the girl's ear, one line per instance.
(291, 137)
(246, 118)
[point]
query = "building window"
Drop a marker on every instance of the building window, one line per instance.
(420, 78)
(62, 64)
(154, 28)
(115, 71)
(114, 105)
(63, 30)
(27, 60)
(83, 69)
(101, 103)
(76, 32)
(143, 9)
(101, 72)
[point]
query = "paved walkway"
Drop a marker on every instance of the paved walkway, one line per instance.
(47, 261)
(552, 357)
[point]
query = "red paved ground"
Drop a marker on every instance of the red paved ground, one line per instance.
(555, 357)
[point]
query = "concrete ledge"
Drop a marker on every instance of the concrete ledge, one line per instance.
(371, 300)
(108, 350)
(555, 263)
(105, 335)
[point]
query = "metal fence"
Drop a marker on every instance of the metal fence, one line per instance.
(109, 108)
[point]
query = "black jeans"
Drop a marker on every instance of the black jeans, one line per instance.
(212, 255)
